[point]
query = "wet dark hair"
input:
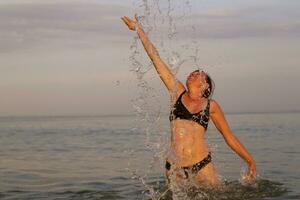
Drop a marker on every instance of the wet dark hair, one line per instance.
(207, 93)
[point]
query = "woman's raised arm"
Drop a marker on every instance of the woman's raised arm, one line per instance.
(221, 124)
(172, 84)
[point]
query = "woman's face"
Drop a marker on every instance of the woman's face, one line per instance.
(197, 79)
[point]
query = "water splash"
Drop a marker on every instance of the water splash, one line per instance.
(229, 191)
(159, 19)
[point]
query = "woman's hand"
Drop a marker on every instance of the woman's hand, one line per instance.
(131, 23)
(251, 174)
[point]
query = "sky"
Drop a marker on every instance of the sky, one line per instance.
(71, 57)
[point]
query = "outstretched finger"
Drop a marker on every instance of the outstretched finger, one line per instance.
(125, 20)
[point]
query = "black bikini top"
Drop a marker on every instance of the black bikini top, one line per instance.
(181, 112)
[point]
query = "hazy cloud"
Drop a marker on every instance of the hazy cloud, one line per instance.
(253, 21)
(69, 55)
(23, 25)
(214, 13)
(26, 25)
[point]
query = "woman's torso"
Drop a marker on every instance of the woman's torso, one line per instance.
(187, 135)
(187, 143)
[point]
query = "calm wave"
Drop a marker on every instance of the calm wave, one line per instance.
(112, 158)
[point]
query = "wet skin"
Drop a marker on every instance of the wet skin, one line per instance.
(188, 147)
(187, 137)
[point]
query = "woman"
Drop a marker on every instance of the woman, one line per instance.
(189, 157)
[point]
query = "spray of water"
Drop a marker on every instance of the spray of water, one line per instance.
(159, 19)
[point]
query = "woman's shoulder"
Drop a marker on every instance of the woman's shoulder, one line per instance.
(214, 106)
(175, 95)
(213, 102)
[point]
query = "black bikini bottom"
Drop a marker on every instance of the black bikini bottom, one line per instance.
(194, 168)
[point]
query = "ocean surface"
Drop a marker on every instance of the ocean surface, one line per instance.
(122, 157)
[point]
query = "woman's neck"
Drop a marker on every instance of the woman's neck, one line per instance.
(194, 95)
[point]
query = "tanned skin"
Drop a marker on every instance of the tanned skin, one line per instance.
(187, 139)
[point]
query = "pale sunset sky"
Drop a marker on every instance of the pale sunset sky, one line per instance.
(71, 57)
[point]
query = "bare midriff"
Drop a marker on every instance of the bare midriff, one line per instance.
(187, 143)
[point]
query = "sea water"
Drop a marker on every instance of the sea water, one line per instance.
(122, 157)
(106, 157)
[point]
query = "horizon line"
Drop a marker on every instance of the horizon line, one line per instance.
(135, 114)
